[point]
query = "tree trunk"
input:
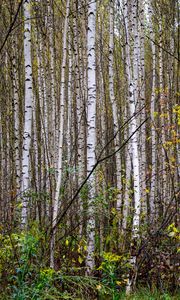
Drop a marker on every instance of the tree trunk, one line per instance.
(91, 134)
(56, 202)
(27, 112)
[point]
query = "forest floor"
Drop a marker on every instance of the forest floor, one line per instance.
(145, 294)
(141, 294)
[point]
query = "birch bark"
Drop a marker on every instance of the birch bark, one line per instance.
(141, 95)
(152, 196)
(91, 133)
(53, 139)
(56, 202)
(27, 110)
(114, 104)
(133, 98)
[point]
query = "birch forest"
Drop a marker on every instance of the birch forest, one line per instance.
(89, 149)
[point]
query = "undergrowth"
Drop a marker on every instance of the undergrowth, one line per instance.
(24, 274)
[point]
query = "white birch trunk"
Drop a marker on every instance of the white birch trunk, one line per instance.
(91, 134)
(152, 196)
(56, 202)
(114, 104)
(142, 133)
(127, 197)
(128, 157)
(69, 109)
(133, 98)
(53, 125)
(27, 110)
(35, 148)
(79, 76)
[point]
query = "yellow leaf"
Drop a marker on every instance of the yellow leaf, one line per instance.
(20, 205)
(172, 234)
(80, 260)
(155, 114)
(113, 211)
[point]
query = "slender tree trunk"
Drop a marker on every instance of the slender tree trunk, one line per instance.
(53, 139)
(162, 102)
(133, 98)
(141, 95)
(16, 118)
(153, 196)
(114, 105)
(91, 134)
(56, 202)
(27, 111)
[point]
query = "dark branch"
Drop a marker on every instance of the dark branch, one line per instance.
(11, 26)
(99, 160)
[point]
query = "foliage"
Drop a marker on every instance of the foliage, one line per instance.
(28, 280)
(158, 261)
(113, 272)
(173, 232)
(28, 245)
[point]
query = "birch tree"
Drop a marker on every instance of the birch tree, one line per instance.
(27, 110)
(89, 69)
(152, 198)
(133, 98)
(114, 104)
(142, 106)
(56, 202)
(91, 133)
